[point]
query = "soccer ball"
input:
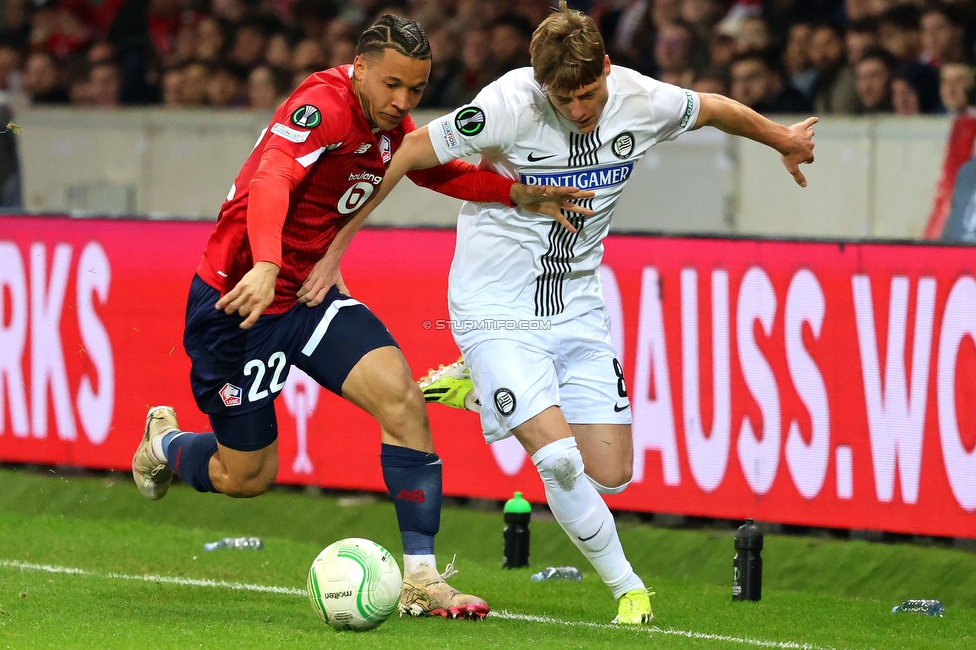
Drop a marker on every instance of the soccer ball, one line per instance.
(354, 584)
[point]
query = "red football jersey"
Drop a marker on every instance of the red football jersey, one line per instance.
(323, 127)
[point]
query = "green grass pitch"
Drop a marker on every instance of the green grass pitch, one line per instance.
(146, 582)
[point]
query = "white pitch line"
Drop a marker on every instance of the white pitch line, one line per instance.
(502, 614)
(788, 645)
(174, 580)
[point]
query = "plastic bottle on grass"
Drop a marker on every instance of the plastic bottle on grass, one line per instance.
(518, 512)
(235, 542)
(927, 607)
(558, 573)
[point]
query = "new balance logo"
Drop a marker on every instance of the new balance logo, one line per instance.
(363, 148)
(416, 496)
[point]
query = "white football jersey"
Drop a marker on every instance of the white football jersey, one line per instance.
(511, 263)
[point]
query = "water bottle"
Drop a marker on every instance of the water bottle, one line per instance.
(235, 542)
(558, 573)
(927, 607)
(747, 565)
(518, 511)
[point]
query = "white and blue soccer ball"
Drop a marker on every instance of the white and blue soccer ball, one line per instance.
(354, 584)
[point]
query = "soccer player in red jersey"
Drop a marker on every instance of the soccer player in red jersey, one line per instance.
(293, 208)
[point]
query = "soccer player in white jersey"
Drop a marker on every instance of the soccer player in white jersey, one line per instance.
(571, 119)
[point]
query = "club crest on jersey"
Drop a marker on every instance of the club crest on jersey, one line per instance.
(505, 401)
(470, 121)
(386, 151)
(307, 117)
(623, 145)
(230, 395)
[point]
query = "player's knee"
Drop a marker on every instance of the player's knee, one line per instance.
(610, 481)
(247, 488)
(247, 484)
(403, 401)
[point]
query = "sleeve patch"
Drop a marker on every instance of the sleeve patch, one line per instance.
(306, 117)
(689, 109)
(470, 121)
(292, 135)
(449, 138)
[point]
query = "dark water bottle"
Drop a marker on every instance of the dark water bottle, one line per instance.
(518, 511)
(747, 565)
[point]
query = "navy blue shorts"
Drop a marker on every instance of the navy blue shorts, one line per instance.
(237, 374)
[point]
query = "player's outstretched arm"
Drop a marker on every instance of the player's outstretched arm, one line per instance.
(794, 143)
(417, 152)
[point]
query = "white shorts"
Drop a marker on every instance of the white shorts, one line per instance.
(518, 374)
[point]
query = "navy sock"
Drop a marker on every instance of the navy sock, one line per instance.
(414, 481)
(189, 456)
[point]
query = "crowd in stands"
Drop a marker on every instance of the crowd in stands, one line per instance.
(851, 57)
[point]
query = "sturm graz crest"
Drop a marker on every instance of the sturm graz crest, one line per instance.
(307, 117)
(623, 145)
(505, 401)
(470, 120)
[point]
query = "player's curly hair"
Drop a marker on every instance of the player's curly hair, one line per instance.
(393, 32)
(567, 50)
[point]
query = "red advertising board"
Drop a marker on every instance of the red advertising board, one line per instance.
(821, 384)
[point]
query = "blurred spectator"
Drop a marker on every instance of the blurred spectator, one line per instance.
(474, 75)
(196, 78)
(957, 88)
(759, 86)
(41, 80)
(57, 30)
(247, 48)
(943, 31)
(446, 66)
(225, 88)
(10, 93)
(104, 85)
(311, 16)
(713, 80)
(874, 73)
(172, 87)
(211, 38)
(800, 72)
(722, 50)
(915, 89)
(16, 24)
(279, 50)
(307, 54)
(342, 52)
(231, 11)
(674, 47)
(753, 35)
(266, 88)
(509, 46)
(701, 16)
(860, 37)
(899, 32)
(835, 90)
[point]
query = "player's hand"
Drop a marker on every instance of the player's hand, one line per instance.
(551, 200)
(252, 295)
(323, 276)
(799, 149)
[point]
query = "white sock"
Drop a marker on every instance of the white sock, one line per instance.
(582, 513)
(156, 445)
(413, 564)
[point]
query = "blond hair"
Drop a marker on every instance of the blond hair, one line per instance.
(567, 50)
